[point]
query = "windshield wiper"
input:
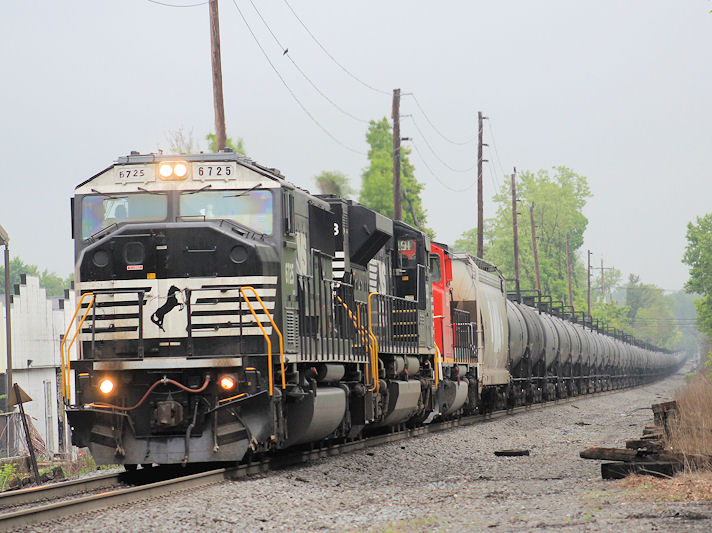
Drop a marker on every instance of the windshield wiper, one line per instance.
(102, 230)
(198, 190)
(150, 192)
(242, 193)
(107, 195)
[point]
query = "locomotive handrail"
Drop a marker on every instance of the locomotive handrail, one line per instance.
(66, 378)
(374, 340)
(365, 335)
(266, 335)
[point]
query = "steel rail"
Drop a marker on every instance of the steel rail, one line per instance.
(56, 510)
(53, 491)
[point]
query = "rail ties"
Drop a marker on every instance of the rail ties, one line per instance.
(146, 489)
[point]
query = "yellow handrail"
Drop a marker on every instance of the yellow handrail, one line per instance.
(66, 379)
(437, 364)
(269, 342)
(374, 340)
(366, 337)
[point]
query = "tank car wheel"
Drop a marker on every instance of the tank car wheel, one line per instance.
(130, 467)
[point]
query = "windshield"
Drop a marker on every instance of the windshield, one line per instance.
(252, 209)
(101, 211)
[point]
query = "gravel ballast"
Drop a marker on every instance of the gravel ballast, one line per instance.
(449, 481)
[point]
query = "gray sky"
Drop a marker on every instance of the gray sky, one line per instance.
(618, 91)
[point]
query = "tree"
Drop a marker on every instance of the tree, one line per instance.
(237, 147)
(53, 284)
(558, 198)
(467, 243)
(333, 182)
(377, 178)
(698, 256)
(650, 314)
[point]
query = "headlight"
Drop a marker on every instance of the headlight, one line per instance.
(106, 386)
(227, 382)
(173, 170)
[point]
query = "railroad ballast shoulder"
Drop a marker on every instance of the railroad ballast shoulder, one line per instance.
(223, 311)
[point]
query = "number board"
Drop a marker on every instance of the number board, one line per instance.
(214, 171)
(135, 173)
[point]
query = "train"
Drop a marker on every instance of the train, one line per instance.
(223, 312)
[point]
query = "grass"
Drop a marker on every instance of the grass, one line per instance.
(684, 487)
(691, 432)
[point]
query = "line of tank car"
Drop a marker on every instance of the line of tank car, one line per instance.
(380, 327)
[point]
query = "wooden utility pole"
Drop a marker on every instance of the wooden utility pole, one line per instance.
(534, 249)
(480, 203)
(395, 114)
(588, 283)
(217, 76)
(568, 270)
(515, 233)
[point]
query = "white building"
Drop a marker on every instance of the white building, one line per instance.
(38, 322)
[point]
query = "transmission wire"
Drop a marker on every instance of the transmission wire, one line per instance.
(285, 52)
(417, 103)
(425, 163)
(323, 48)
(289, 89)
(425, 139)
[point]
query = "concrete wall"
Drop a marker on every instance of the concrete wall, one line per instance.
(38, 322)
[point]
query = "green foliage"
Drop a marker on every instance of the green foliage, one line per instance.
(237, 147)
(334, 182)
(467, 243)
(651, 314)
(698, 256)
(53, 284)
(558, 197)
(377, 179)
(7, 472)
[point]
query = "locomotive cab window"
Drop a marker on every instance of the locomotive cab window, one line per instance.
(252, 209)
(435, 270)
(101, 211)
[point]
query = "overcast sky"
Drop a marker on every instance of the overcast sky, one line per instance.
(618, 91)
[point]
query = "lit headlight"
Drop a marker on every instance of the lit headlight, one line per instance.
(165, 170)
(227, 382)
(173, 170)
(180, 170)
(106, 386)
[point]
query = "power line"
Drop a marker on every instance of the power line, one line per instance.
(291, 92)
(417, 103)
(178, 5)
(433, 174)
(425, 139)
(285, 52)
(342, 67)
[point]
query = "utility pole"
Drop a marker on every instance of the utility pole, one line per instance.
(515, 232)
(217, 76)
(568, 270)
(397, 209)
(588, 283)
(534, 248)
(5, 241)
(480, 203)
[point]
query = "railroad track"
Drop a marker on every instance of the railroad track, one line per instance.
(118, 493)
